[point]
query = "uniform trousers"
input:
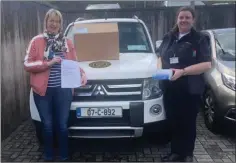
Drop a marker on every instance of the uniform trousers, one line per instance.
(181, 109)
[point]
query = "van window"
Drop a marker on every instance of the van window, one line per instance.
(132, 38)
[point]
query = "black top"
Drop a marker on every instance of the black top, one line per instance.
(193, 48)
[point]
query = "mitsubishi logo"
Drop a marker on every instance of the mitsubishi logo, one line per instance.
(99, 90)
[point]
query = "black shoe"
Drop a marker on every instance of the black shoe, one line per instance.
(172, 158)
(188, 159)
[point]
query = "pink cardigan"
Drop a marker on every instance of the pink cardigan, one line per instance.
(37, 66)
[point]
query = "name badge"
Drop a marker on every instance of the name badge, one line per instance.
(174, 60)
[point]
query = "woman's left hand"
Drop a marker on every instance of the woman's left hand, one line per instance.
(83, 77)
(177, 74)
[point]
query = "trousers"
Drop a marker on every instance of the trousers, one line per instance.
(54, 110)
(181, 111)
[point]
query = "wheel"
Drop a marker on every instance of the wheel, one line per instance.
(158, 134)
(163, 138)
(160, 138)
(210, 107)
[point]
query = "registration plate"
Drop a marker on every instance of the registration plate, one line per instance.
(98, 112)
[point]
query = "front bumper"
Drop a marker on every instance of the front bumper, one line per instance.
(226, 107)
(133, 123)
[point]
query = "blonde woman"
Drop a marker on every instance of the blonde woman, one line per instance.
(44, 55)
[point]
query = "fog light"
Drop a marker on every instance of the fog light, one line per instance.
(155, 109)
(231, 114)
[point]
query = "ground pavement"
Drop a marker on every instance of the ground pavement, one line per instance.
(22, 145)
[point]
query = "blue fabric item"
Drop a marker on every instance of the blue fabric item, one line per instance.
(54, 110)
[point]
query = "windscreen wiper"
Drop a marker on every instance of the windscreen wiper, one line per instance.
(217, 41)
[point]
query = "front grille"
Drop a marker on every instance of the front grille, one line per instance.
(96, 122)
(110, 90)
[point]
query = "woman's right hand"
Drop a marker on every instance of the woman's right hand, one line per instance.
(177, 74)
(54, 61)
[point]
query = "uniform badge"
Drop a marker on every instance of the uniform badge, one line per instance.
(174, 60)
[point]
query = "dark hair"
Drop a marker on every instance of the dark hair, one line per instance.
(185, 8)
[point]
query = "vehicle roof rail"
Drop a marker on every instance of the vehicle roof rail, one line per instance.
(136, 17)
(79, 19)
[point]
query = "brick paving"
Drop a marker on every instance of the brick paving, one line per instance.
(22, 146)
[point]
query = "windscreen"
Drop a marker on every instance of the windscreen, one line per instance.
(132, 37)
(226, 41)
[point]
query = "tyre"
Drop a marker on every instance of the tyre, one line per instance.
(210, 108)
(160, 138)
(158, 134)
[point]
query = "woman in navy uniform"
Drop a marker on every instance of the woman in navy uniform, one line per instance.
(186, 52)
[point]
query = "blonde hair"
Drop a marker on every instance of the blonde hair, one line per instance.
(52, 12)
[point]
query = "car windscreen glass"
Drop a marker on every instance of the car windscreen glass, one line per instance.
(132, 37)
(225, 45)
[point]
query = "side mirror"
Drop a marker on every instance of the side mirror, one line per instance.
(157, 50)
(157, 47)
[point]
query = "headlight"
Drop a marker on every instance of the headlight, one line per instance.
(229, 81)
(151, 89)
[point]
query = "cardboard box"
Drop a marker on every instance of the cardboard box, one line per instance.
(97, 41)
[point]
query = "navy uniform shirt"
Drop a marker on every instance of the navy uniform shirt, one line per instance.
(190, 49)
